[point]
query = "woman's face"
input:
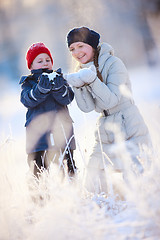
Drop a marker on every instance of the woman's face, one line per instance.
(42, 61)
(82, 52)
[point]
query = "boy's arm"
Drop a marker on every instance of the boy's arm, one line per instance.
(33, 95)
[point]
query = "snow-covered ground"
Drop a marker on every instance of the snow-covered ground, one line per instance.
(67, 210)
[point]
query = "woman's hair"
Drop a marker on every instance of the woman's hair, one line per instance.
(83, 34)
(95, 60)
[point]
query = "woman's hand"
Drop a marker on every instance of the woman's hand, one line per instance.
(82, 77)
(88, 75)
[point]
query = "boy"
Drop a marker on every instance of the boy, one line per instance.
(49, 129)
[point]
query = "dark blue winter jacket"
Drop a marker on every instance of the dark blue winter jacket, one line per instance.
(48, 123)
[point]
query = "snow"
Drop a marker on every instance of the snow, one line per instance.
(66, 210)
(51, 76)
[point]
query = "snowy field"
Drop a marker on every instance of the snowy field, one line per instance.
(67, 210)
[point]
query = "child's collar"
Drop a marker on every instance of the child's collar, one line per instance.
(35, 73)
(40, 71)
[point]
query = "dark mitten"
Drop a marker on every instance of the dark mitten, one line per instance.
(44, 85)
(58, 83)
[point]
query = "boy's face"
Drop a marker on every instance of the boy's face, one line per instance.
(42, 61)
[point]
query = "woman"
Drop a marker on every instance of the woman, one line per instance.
(101, 83)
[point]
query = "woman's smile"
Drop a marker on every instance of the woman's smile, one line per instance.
(83, 52)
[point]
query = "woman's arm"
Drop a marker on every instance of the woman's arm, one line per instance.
(108, 94)
(84, 99)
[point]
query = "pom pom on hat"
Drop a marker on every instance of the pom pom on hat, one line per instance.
(83, 34)
(34, 50)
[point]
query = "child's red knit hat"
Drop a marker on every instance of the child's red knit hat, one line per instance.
(34, 50)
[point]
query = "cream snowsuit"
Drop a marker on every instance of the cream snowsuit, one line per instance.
(123, 129)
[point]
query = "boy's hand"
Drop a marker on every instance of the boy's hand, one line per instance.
(58, 83)
(56, 79)
(44, 85)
